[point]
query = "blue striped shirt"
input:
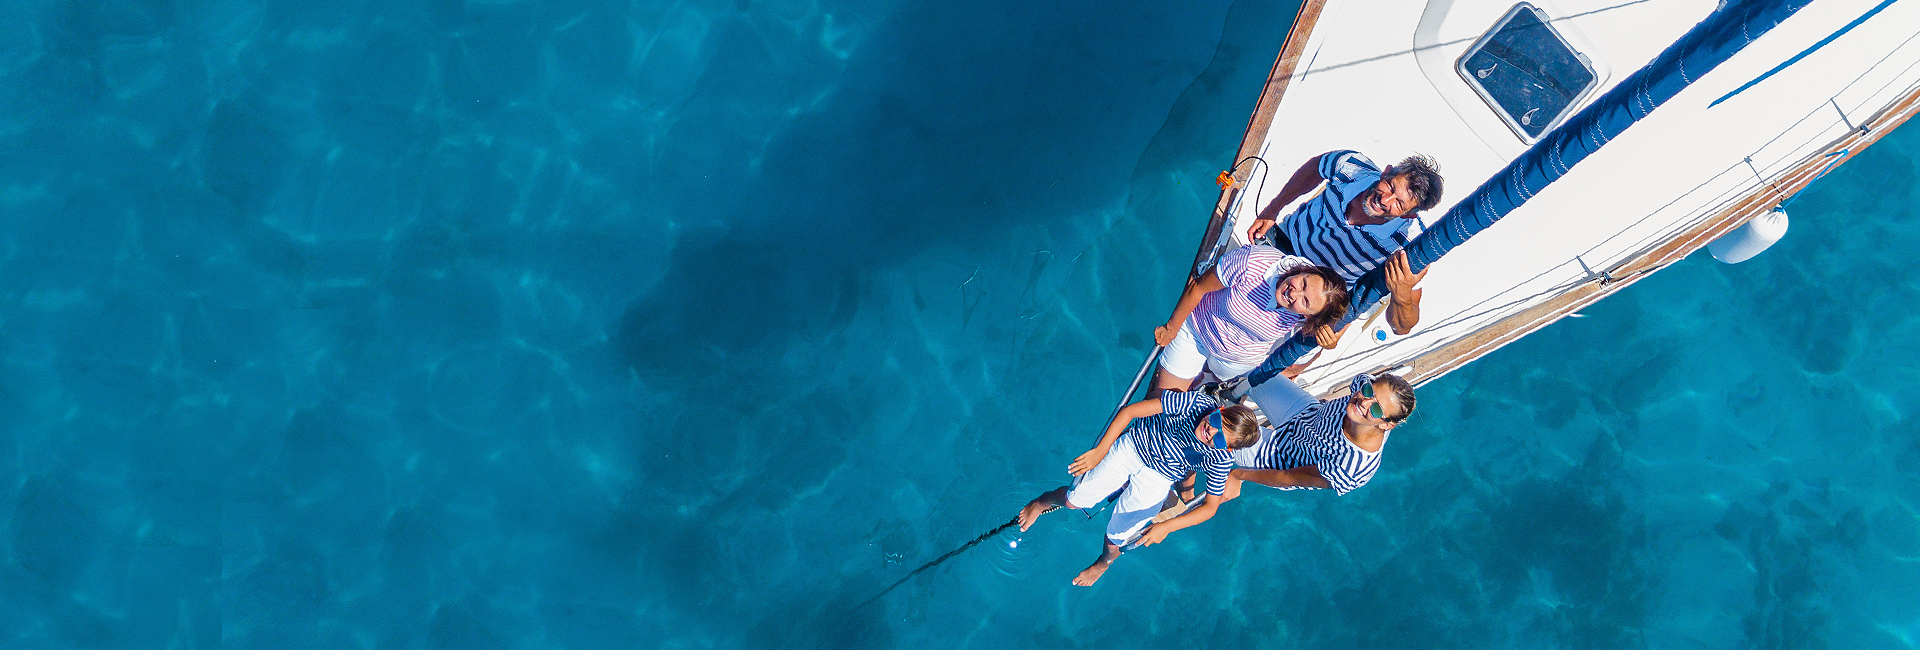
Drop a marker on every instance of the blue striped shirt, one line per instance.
(1167, 445)
(1313, 437)
(1319, 228)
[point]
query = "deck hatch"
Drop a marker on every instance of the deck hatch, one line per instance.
(1527, 72)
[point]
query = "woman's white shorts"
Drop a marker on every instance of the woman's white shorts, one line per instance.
(1185, 356)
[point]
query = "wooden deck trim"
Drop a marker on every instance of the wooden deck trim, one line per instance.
(1436, 363)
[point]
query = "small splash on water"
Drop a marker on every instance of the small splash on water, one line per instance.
(1010, 554)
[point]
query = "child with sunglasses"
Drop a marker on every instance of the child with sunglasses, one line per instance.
(1149, 445)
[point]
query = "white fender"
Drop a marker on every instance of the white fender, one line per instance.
(1750, 238)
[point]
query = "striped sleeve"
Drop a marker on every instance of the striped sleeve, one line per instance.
(1349, 472)
(1178, 402)
(1234, 265)
(1218, 466)
(1290, 263)
(1345, 165)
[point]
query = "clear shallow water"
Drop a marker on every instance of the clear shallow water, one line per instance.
(691, 326)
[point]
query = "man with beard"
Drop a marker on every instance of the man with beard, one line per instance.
(1360, 221)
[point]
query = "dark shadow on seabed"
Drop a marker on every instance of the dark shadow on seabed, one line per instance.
(892, 168)
(888, 169)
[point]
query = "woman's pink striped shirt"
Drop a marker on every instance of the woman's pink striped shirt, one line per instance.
(1240, 323)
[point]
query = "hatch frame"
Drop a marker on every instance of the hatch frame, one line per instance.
(1512, 121)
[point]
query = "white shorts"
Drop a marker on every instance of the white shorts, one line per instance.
(1185, 356)
(1146, 490)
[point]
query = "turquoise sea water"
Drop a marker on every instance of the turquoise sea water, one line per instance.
(694, 325)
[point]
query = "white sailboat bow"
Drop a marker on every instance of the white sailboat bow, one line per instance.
(1391, 78)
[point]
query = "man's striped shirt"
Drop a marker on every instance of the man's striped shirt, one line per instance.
(1240, 323)
(1312, 437)
(1166, 443)
(1319, 229)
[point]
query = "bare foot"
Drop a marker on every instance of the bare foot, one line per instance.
(1091, 574)
(1040, 505)
(1108, 553)
(1032, 512)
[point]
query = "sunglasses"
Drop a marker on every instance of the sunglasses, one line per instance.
(1219, 433)
(1366, 390)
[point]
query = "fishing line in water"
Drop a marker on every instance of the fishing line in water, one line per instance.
(936, 561)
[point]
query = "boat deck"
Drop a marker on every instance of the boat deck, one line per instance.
(1379, 79)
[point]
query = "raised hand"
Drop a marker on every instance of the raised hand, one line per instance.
(1155, 534)
(1400, 276)
(1163, 334)
(1326, 336)
(1086, 461)
(1259, 229)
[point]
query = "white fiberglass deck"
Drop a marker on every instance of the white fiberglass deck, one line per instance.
(1362, 85)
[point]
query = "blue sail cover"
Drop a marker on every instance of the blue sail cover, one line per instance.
(1722, 34)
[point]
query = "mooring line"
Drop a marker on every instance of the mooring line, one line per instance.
(1015, 521)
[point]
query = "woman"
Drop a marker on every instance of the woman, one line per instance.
(1229, 318)
(1149, 445)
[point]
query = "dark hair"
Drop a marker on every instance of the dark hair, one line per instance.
(1336, 296)
(1242, 426)
(1423, 179)
(1402, 391)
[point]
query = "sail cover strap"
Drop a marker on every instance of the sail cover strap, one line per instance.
(1722, 34)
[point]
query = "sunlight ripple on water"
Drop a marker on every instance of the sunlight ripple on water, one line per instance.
(1012, 553)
